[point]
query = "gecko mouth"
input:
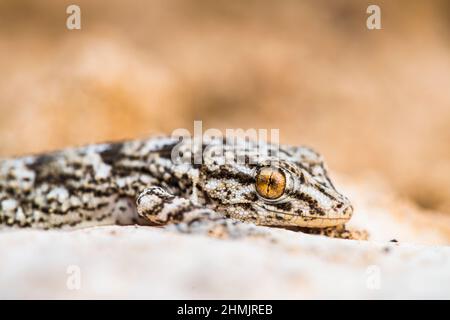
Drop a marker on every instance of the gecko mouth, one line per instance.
(315, 221)
(306, 222)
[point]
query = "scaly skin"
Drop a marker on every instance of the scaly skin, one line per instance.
(137, 182)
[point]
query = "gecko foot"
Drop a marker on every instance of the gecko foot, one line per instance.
(182, 215)
(221, 228)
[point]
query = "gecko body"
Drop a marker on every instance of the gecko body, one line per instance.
(139, 181)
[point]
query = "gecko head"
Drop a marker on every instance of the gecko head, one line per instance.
(290, 193)
(289, 189)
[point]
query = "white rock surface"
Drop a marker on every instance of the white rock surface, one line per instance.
(147, 262)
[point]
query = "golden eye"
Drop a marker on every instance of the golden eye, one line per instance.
(270, 183)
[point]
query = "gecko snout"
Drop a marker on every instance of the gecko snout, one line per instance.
(344, 210)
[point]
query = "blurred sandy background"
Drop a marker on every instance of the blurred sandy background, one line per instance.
(375, 103)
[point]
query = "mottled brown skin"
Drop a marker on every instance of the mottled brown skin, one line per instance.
(140, 181)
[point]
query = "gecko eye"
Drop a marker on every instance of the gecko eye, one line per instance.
(270, 183)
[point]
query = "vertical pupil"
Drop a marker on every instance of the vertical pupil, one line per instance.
(270, 183)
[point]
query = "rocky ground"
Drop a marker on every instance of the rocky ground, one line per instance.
(148, 262)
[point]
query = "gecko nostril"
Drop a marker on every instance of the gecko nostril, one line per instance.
(348, 210)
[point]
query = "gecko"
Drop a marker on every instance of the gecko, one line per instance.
(218, 188)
